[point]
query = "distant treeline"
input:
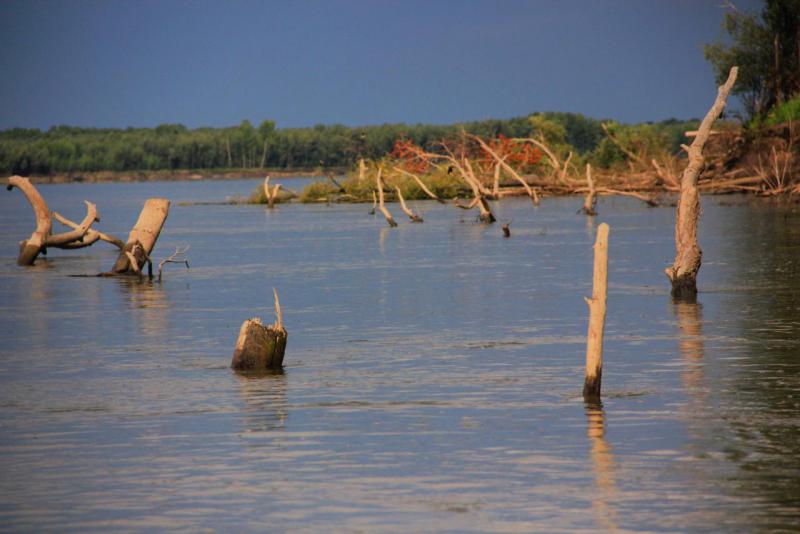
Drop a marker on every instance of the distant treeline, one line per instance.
(66, 149)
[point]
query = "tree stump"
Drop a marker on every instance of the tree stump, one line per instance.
(597, 317)
(259, 347)
(143, 237)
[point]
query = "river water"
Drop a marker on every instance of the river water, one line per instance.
(432, 377)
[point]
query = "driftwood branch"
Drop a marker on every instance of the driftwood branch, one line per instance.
(174, 258)
(90, 235)
(411, 215)
(381, 206)
(76, 233)
(420, 183)
(683, 273)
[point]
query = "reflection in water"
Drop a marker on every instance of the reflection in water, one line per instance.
(264, 397)
(690, 343)
(149, 304)
(603, 467)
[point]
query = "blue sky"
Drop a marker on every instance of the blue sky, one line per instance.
(203, 63)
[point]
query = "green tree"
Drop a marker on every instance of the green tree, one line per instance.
(766, 47)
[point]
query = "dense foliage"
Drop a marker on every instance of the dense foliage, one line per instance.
(766, 47)
(65, 149)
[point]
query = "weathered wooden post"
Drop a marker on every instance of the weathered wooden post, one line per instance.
(591, 195)
(597, 317)
(683, 273)
(143, 237)
(259, 347)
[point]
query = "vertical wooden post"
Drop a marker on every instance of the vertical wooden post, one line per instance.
(597, 317)
(591, 195)
(683, 273)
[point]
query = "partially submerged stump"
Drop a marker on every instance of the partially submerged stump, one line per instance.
(597, 317)
(259, 347)
(271, 194)
(683, 273)
(143, 237)
(41, 238)
(590, 201)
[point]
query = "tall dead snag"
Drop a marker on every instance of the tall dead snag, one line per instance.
(42, 238)
(270, 194)
(683, 273)
(259, 347)
(597, 317)
(591, 195)
(411, 215)
(143, 237)
(381, 206)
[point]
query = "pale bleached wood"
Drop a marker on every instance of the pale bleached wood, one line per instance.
(591, 195)
(381, 206)
(90, 235)
(411, 215)
(502, 162)
(597, 317)
(144, 233)
(688, 256)
(420, 183)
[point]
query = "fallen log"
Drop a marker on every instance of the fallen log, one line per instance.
(261, 348)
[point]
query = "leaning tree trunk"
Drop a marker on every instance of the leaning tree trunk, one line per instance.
(683, 273)
(142, 238)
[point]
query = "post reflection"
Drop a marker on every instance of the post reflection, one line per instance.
(150, 309)
(690, 344)
(603, 467)
(264, 396)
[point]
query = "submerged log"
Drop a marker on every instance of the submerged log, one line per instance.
(259, 347)
(143, 237)
(597, 317)
(683, 273)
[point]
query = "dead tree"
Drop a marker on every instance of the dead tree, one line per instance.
(501, 162)
(411, 215)
(381, 206)
(271, 194)
(591, 195)
(260, 348)
(683, 273)
(421, 184)
(597, 317)
(142, 238)
(177, 257)
(42, 236)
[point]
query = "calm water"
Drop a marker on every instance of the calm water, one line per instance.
(432, 378)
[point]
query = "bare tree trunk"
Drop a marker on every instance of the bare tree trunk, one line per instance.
(411, 215)
(143, 237)
(263, 156)
(502, 162)
(228, 147)
(389, 218)
(260, 348)
(591, 196)
(683, 273)
(597, 317)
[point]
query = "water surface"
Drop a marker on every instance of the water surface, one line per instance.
(432, 377)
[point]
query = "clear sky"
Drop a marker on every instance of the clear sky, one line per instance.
(126, 63)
